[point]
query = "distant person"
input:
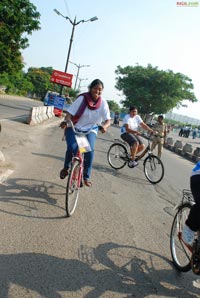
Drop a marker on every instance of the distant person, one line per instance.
(159, 138)
(194, 133)
(181, 132)
(116, 119)
(131, 135)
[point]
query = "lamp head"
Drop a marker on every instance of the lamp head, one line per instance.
(93, 19)
(56, 11)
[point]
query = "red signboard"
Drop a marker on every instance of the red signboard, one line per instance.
(61, 78)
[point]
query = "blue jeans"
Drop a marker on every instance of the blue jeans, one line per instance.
(72, 149)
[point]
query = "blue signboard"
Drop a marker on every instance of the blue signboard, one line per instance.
(59, 102)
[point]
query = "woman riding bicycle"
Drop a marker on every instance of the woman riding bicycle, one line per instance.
(130, 134)
(192, 223)
(86, 112)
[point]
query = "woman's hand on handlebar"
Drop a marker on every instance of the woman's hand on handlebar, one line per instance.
(63, 124)
(101, 128)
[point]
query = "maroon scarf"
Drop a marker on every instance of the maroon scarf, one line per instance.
(87, 102)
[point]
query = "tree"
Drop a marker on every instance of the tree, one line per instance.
(113, 106)
(18, 18)
(152, 90)
(16, 84)
(40, 79)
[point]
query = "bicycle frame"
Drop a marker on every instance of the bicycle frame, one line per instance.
(147, 149)
(79, 157)
(138, 157)
(74, 181)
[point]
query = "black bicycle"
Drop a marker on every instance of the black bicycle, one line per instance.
(184, 256)
(118, 157)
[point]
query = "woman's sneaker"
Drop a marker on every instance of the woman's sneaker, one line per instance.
(133, 163)
(63, 173)
(188, 235)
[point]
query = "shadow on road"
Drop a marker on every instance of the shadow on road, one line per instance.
(49, 156)
(30, 198)
(120, 174)
(108, 269)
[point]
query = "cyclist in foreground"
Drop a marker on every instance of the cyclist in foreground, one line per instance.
(192, 223)
(130, 133)
(86, 112)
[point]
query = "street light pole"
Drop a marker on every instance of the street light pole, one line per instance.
(78, 66)
(70, 43)
(74, 24)
(80, 80)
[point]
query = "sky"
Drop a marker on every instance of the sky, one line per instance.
(127, 32)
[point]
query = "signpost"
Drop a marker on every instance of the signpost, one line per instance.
(61, 78)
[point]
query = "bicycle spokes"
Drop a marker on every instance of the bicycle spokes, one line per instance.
(72, 191)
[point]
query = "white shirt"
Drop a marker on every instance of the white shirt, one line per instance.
(89, 118)
(133, 122)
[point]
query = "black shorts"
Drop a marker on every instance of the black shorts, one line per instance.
(131, 139)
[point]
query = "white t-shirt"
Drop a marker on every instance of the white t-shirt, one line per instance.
(133, 122)
(89, 118)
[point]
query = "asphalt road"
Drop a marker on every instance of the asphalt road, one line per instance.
(115, 245)
(16, 108)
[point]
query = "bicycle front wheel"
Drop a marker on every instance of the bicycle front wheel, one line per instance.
(117, 156)
(153, 169)
(180, 253)
(72, 190)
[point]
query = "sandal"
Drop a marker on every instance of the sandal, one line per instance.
(88, 183)
(63, 173)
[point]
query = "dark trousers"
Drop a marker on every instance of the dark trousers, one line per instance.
(193, 220)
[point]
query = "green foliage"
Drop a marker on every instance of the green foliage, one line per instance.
(152, 90)
(72, 93)
(113, 106)
(18, 18)
(40, 79)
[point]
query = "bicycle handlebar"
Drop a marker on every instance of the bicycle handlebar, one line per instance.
(69, 123)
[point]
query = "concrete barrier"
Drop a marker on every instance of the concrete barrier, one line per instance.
(32, 119)
(50, 111)
(187, 150)
(40, 114)
(169, 143)
(178, 145)
(44, 114)
(196, 154)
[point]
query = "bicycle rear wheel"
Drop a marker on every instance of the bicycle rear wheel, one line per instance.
(72, 190)
(117, 156)
(153, 169)
(180, 253)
